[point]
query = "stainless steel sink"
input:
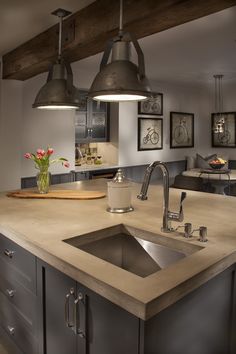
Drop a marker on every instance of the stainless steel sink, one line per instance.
(129, 249)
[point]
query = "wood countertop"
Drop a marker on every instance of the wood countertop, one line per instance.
(40, 226)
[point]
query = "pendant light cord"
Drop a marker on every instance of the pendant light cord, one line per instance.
(218, 94)
(220, 123)
(121, 19)
(60, 39)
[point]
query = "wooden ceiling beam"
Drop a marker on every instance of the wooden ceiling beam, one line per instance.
(88, 30)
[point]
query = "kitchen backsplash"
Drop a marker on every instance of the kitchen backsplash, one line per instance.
(96, 153)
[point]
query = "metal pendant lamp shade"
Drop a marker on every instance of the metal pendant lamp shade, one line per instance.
(59, 91)
(121, 79)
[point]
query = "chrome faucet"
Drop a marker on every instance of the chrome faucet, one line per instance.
(168, 216)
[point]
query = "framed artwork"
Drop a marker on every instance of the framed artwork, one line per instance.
(226, 139)
(150, 134)
(181, 130)
(152, 105)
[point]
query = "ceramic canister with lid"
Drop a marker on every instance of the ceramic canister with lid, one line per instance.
(119, 194)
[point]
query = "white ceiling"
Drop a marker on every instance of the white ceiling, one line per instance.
(195, 50)
(192, 52)
(21, 20)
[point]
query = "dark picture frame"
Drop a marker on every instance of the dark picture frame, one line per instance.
(150, 133)
(181, 130)
(152, 106)
(228, 138)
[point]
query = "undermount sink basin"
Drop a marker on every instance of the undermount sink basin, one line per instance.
(131, 249)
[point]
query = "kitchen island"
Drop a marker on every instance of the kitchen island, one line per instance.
(43, 228)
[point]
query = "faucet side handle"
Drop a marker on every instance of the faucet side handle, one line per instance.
(180, 215)
(181, 211)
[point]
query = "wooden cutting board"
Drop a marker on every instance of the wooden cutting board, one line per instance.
(58, 194)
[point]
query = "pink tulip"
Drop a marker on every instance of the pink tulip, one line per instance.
(27, 155)
(66, 164)
(40, 152)
(39, 156)
(50, 151)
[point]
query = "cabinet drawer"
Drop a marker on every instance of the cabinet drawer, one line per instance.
(16, 328)
(23, 299)
(14, 258)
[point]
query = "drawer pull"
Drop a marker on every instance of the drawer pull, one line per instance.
(11, 330)
(67, 308)
(80, 316)
(10, 292)
(8, 253)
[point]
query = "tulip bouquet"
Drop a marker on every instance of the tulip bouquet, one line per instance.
(42, 160)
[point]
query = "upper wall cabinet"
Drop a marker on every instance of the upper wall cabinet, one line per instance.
(91, 120)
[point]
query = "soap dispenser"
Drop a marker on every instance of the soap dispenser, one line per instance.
(119, 194)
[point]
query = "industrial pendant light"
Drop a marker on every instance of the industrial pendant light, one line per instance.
(59, 91)
(219, 126)
(121, 80)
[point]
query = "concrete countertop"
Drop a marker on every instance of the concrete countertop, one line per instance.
(40, 226)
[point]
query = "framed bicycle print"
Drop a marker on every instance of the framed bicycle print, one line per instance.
(181, 130)
(226, 138)
(150, 134)
(152, 105)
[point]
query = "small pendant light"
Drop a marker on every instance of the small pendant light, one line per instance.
(59, 91)
(219, 126)
(121, 80)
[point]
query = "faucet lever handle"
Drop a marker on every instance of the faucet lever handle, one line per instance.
(183, 196)
(181, 212)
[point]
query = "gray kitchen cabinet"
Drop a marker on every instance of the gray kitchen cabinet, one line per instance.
(91, 120)
(43, 311)
(56, 290)
(18, 299)
(77, 320)
(201, 322)
(81, 176)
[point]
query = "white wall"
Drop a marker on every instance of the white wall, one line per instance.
(24, 129)
(45, 128)
(181, 98)
(175, 98)
(207, 106)
(41, 128)
(10, 133)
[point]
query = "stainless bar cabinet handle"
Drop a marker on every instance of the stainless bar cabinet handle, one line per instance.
(11, 330)
(10, 292)
(9, 253)
(80, 299)
(67, 308)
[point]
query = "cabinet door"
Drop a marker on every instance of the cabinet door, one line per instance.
(58, 303)
(99, 121)
(81, 127)
(81, 176)
(98, 126)
(81, 118)
(107, 328)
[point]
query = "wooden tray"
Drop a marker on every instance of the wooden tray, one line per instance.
(58, 194)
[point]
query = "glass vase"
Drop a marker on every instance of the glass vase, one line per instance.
(43, 181)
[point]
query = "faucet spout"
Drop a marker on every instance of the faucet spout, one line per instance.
(167, 215)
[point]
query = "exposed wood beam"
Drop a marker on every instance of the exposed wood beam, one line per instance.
(98, 22)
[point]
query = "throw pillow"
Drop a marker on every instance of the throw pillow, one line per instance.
(191, 162)
(203, 162)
